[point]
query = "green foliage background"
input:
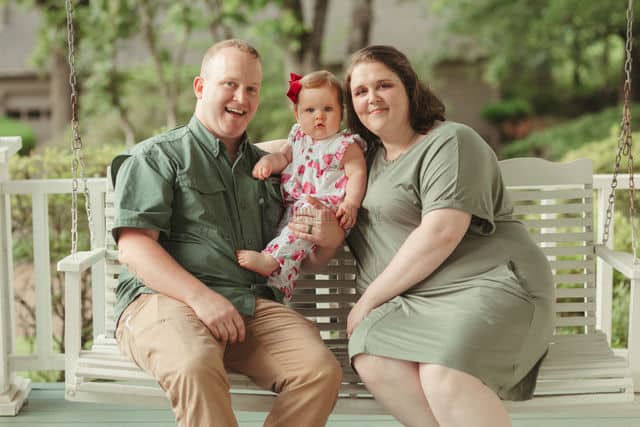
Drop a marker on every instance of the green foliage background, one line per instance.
(590, 130)
(15, 128)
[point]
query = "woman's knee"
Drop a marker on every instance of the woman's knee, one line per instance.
(443, 386)
(370, 368)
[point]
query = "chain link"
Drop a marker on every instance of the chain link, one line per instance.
(77, 164)
(625, 146)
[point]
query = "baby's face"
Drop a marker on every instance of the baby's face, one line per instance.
(318, 112)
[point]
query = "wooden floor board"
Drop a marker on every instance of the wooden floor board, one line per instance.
(46, 407)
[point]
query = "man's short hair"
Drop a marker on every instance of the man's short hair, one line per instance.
(241, 45)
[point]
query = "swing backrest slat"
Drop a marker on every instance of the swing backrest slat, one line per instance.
(554, 201)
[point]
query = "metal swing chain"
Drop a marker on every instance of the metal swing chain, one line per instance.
(77, 163)
(625, 146)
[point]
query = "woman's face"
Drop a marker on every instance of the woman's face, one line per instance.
(379, 98)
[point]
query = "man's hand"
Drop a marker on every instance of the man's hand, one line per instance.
(219, 315)
(325, 232)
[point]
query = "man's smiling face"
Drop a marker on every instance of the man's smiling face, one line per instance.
(228, 93)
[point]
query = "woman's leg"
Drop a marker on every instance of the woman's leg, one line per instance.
(396, 385)
(459, 399)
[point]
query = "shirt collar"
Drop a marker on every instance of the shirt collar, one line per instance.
(210, 140)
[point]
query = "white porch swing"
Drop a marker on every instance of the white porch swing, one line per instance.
(555, 202)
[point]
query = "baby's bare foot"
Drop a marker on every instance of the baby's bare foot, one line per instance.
(261, 263)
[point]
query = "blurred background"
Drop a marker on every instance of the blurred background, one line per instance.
(539, 78)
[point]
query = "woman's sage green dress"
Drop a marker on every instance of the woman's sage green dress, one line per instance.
(487, 310)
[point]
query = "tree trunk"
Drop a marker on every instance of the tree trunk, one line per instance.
(114, 93)
(150, 37)
(313, 50)
(218, 30)
(59, 92)
(294, 57)
(361, 17)
(635, 71)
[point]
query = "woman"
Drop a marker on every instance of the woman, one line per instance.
(455, 310)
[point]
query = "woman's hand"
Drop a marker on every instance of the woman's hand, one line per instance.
(358, 312)
(274, 146)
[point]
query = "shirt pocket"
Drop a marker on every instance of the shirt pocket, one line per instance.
(203, 201)
(272, 207)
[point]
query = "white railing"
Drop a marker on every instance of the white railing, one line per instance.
(45, 358)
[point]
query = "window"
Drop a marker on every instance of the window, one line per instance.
(13, 114)
(33, 114)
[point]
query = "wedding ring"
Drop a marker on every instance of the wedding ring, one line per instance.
(309, 228)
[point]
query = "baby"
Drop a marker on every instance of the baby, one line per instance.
(320, 161)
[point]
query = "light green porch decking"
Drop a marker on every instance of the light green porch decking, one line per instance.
(47, 408)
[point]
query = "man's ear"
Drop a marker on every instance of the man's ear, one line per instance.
(198, 86)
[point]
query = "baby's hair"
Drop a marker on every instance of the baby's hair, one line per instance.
(323, 78)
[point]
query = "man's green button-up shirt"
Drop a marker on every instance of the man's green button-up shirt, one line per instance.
(183, 184)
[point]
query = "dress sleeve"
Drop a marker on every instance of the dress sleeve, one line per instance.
(344, 140)
(462, 173)
(354, 138)
(143, 193)
(295, 134)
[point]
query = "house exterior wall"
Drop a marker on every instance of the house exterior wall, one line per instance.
(25, 97)
(24, 93)
(460, 87)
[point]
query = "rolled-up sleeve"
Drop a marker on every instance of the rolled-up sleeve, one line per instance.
(463, 176)
(144, 186)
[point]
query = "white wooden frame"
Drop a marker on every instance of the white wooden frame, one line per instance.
(13, 389)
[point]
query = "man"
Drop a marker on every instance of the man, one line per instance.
(185, 201)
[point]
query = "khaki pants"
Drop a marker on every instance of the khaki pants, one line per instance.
(282, 352)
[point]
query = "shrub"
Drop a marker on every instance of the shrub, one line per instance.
(510, 109)
(553, 143)
(11, 127)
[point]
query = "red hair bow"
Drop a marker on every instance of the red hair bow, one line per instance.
(294, 87)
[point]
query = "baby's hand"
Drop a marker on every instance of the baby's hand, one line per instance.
(262, 170)
(347, 213)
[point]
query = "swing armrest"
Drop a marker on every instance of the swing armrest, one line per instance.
(80, 261)
(72, 266)
(621, 261)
